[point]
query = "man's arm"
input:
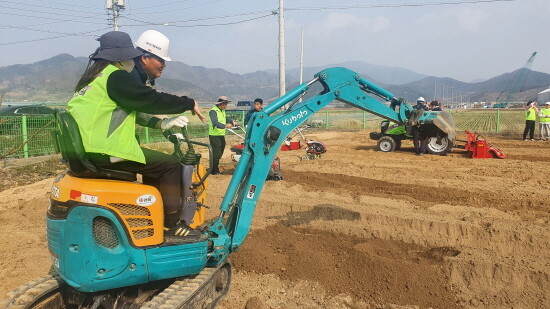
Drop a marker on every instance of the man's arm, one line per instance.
(214, 119)
(127, 92)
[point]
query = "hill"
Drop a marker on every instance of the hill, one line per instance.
(52, 80)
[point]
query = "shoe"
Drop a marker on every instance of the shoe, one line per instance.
(532, 139)
(525, 140)
(181, 229)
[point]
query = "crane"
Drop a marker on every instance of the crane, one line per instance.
(517, 83)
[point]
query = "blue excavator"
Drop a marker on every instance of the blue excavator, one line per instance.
(105, 229)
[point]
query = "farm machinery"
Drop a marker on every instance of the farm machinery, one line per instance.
(237, 151)
(392, 134)
(105, 230)
(314, 149)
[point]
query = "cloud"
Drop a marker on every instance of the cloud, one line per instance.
(468, 19)
(339, 21)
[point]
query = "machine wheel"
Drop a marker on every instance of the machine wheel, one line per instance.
(439, 146)
(386, 144)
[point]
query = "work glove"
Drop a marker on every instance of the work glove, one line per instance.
(179, 136)
(176, 121)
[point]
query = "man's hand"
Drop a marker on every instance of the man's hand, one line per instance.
(176, 121)
(229, 125)
(197, 111)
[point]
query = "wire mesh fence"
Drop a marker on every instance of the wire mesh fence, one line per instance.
(26, 136)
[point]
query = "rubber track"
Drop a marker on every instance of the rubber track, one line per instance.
(182, 293)
(26, 295)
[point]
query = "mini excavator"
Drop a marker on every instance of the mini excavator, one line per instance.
(105, 230)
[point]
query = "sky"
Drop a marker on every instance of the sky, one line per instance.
(469, 40)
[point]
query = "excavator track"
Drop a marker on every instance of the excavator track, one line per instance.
(204, 290)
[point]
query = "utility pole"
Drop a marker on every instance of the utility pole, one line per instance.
(115, 6)
(282, 73)
(301, 57)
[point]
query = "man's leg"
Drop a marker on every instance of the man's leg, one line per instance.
(217, 151)
(165, 173)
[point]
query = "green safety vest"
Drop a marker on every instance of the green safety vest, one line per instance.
(530, 114)
(213, 130)
(545, 112)
(104, 126)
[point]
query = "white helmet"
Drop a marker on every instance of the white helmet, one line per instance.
(420, 99)
(155, 43)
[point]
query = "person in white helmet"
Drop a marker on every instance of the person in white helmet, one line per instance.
(154, 46)
(419, 139)
(149, 66)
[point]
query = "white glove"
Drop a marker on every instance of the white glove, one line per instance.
(179, 136)
(177, 121)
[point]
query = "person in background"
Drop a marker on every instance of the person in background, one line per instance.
(419, 140)
(531, 112)
(256, 107)
(421, 104)
(435, 106)
(544, 122)
(105, 105)
(216, 131)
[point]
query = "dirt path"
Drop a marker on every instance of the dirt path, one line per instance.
(364, 229)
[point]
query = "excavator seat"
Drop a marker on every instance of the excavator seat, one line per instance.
(69, 143)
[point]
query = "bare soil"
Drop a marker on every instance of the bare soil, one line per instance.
(360, 228)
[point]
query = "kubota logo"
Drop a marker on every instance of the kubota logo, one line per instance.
(292, 119)
(146, 200)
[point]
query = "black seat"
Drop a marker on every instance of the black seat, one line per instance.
(69, 143)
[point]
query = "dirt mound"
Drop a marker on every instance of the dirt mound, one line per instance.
(370, 270)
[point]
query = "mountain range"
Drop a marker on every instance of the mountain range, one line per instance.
(53, 79)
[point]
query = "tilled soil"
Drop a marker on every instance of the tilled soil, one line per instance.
(360, 228)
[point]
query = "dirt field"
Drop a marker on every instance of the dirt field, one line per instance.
(364, 229)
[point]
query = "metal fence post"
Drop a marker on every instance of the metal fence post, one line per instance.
(25, 136)
(326, 119)
(498, 121)
(364, 120)
(146, 135)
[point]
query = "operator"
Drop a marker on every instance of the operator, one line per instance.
(106, 100)
(216, 131)
(257, 106)
(531, 112)
(544, 122)
(150, 65)
(419, 139)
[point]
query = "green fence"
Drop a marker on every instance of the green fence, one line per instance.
(27, 136)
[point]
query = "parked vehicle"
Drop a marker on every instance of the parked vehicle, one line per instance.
(19, 110)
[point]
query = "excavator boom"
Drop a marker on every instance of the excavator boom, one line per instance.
(268, 129)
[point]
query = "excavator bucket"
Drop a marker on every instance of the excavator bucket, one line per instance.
(445, 122)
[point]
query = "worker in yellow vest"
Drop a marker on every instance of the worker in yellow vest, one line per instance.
(531, 112)
(105, 106)
(544, 122)
(216, 131)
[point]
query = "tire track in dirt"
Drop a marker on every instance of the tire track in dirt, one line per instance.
(417, 194)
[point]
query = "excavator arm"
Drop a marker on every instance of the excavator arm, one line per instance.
(268, 129)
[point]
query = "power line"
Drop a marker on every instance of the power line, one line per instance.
(87, 33)
(65, 9)
(374, 6)
(174, 10)
(52, 2)
(36, 11)
(51, 18)
(196, 25)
